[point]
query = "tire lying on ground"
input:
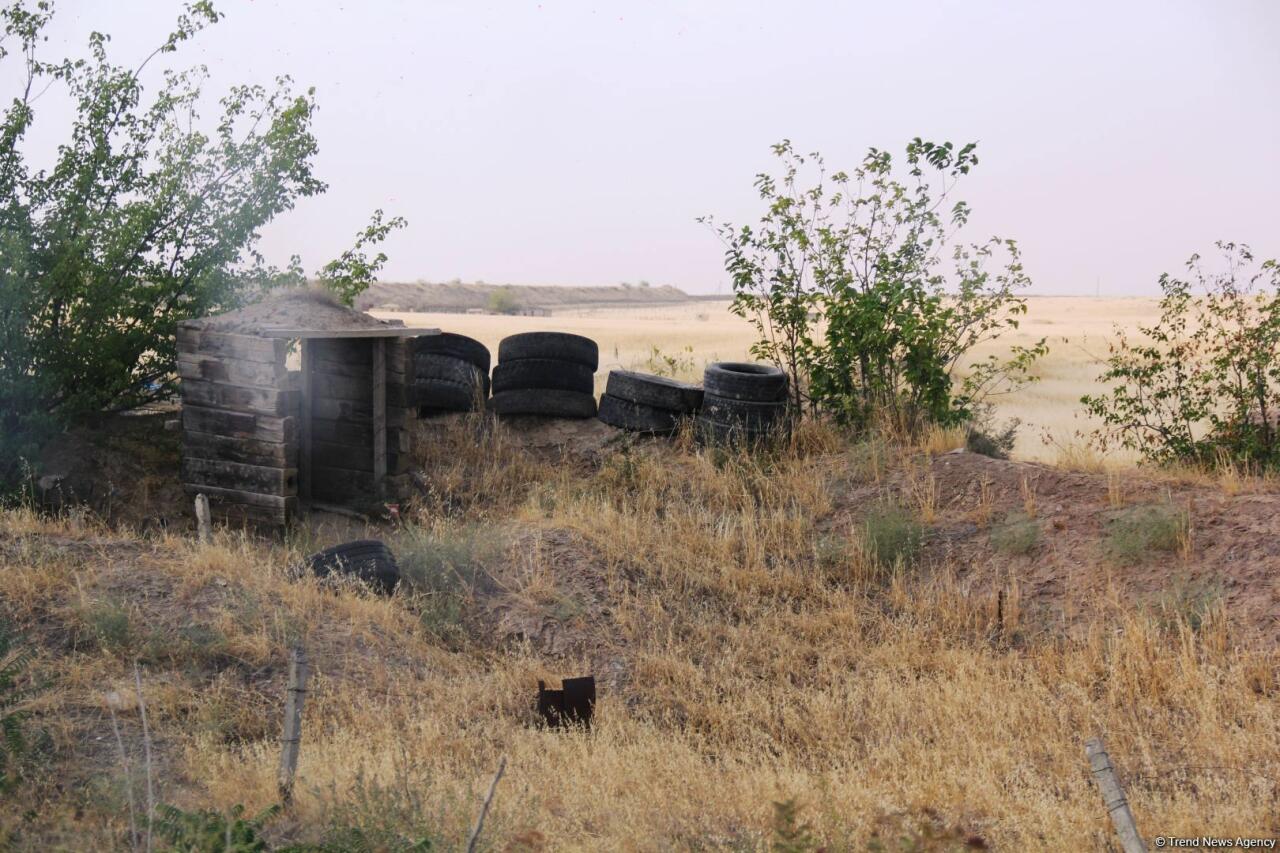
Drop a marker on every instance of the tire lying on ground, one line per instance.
(453, 346)
(656, 391)
(548, 373)
(736, 380)
(641, 402)
(366, 559)
(543, 401)
(560, 346)
(637, 417)
(443, 383)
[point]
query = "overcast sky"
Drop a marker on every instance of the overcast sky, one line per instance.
(576, 143)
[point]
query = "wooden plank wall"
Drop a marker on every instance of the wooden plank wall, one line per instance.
(342, 446)
(239, 425)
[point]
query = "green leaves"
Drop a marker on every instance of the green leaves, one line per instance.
(847, 291)
(353, 271)
(1201, 385)
(147, 216)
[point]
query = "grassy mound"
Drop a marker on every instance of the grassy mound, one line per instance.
(778, 662)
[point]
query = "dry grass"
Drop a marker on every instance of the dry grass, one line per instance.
(750, 655)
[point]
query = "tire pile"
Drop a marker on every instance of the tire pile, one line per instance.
(552, 374)
(545, 373)
(450, 374)
(741, 403)
(647, 404)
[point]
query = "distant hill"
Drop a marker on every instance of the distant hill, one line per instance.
(462, 297)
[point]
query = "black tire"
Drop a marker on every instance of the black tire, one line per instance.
(558, 345)
(453, 346)
(711, 433)
(447, 384)
(637, 417)
(736, 380)
(444, 396)
(367, 559)
(657, 391)
(429, 366)
(540, 401)
(753, 416)
(547, 373)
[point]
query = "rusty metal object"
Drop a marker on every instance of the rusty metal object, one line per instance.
(571, 705)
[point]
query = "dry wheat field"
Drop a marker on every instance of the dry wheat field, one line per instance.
(1077, 330)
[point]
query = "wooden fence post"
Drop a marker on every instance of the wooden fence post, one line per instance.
(291, 739)
(1113, 797)
(474, 838)
(204, 523)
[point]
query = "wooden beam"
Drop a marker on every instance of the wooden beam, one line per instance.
(237, 504)
(230, 448)
(246, 347)
(306, 413)
(238, 424)
(233, 371)
(239, 398)
(259, 479)
(380, 418)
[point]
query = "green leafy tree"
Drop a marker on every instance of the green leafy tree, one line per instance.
(859, 288)
(146, 217)
(1202, 384)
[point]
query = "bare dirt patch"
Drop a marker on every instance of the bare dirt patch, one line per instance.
(1231, 551)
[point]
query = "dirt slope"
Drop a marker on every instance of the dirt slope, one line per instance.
(1231, 552)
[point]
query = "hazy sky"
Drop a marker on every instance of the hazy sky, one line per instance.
(575, 143)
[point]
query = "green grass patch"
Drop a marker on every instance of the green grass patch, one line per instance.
(441, 569)
(893, 536)
(1139, 531)
(1017, 535)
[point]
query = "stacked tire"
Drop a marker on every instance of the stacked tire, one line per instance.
(450, 374)
(545, 373)
(640, 402)
(742, 403)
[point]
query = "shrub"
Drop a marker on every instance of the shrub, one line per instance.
(111, 626)
(893, 536)
(503, 301)
(209, 831)
(996, 442)
(790, 834)
(675, 365)
(1017, 535)
(844, 283)
(14, 659)
(1138, 531)
(1190, 602)
(1203, 383)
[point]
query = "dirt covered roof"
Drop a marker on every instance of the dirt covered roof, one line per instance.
(310, 308)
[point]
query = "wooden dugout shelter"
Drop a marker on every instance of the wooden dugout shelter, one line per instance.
(263, 441)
